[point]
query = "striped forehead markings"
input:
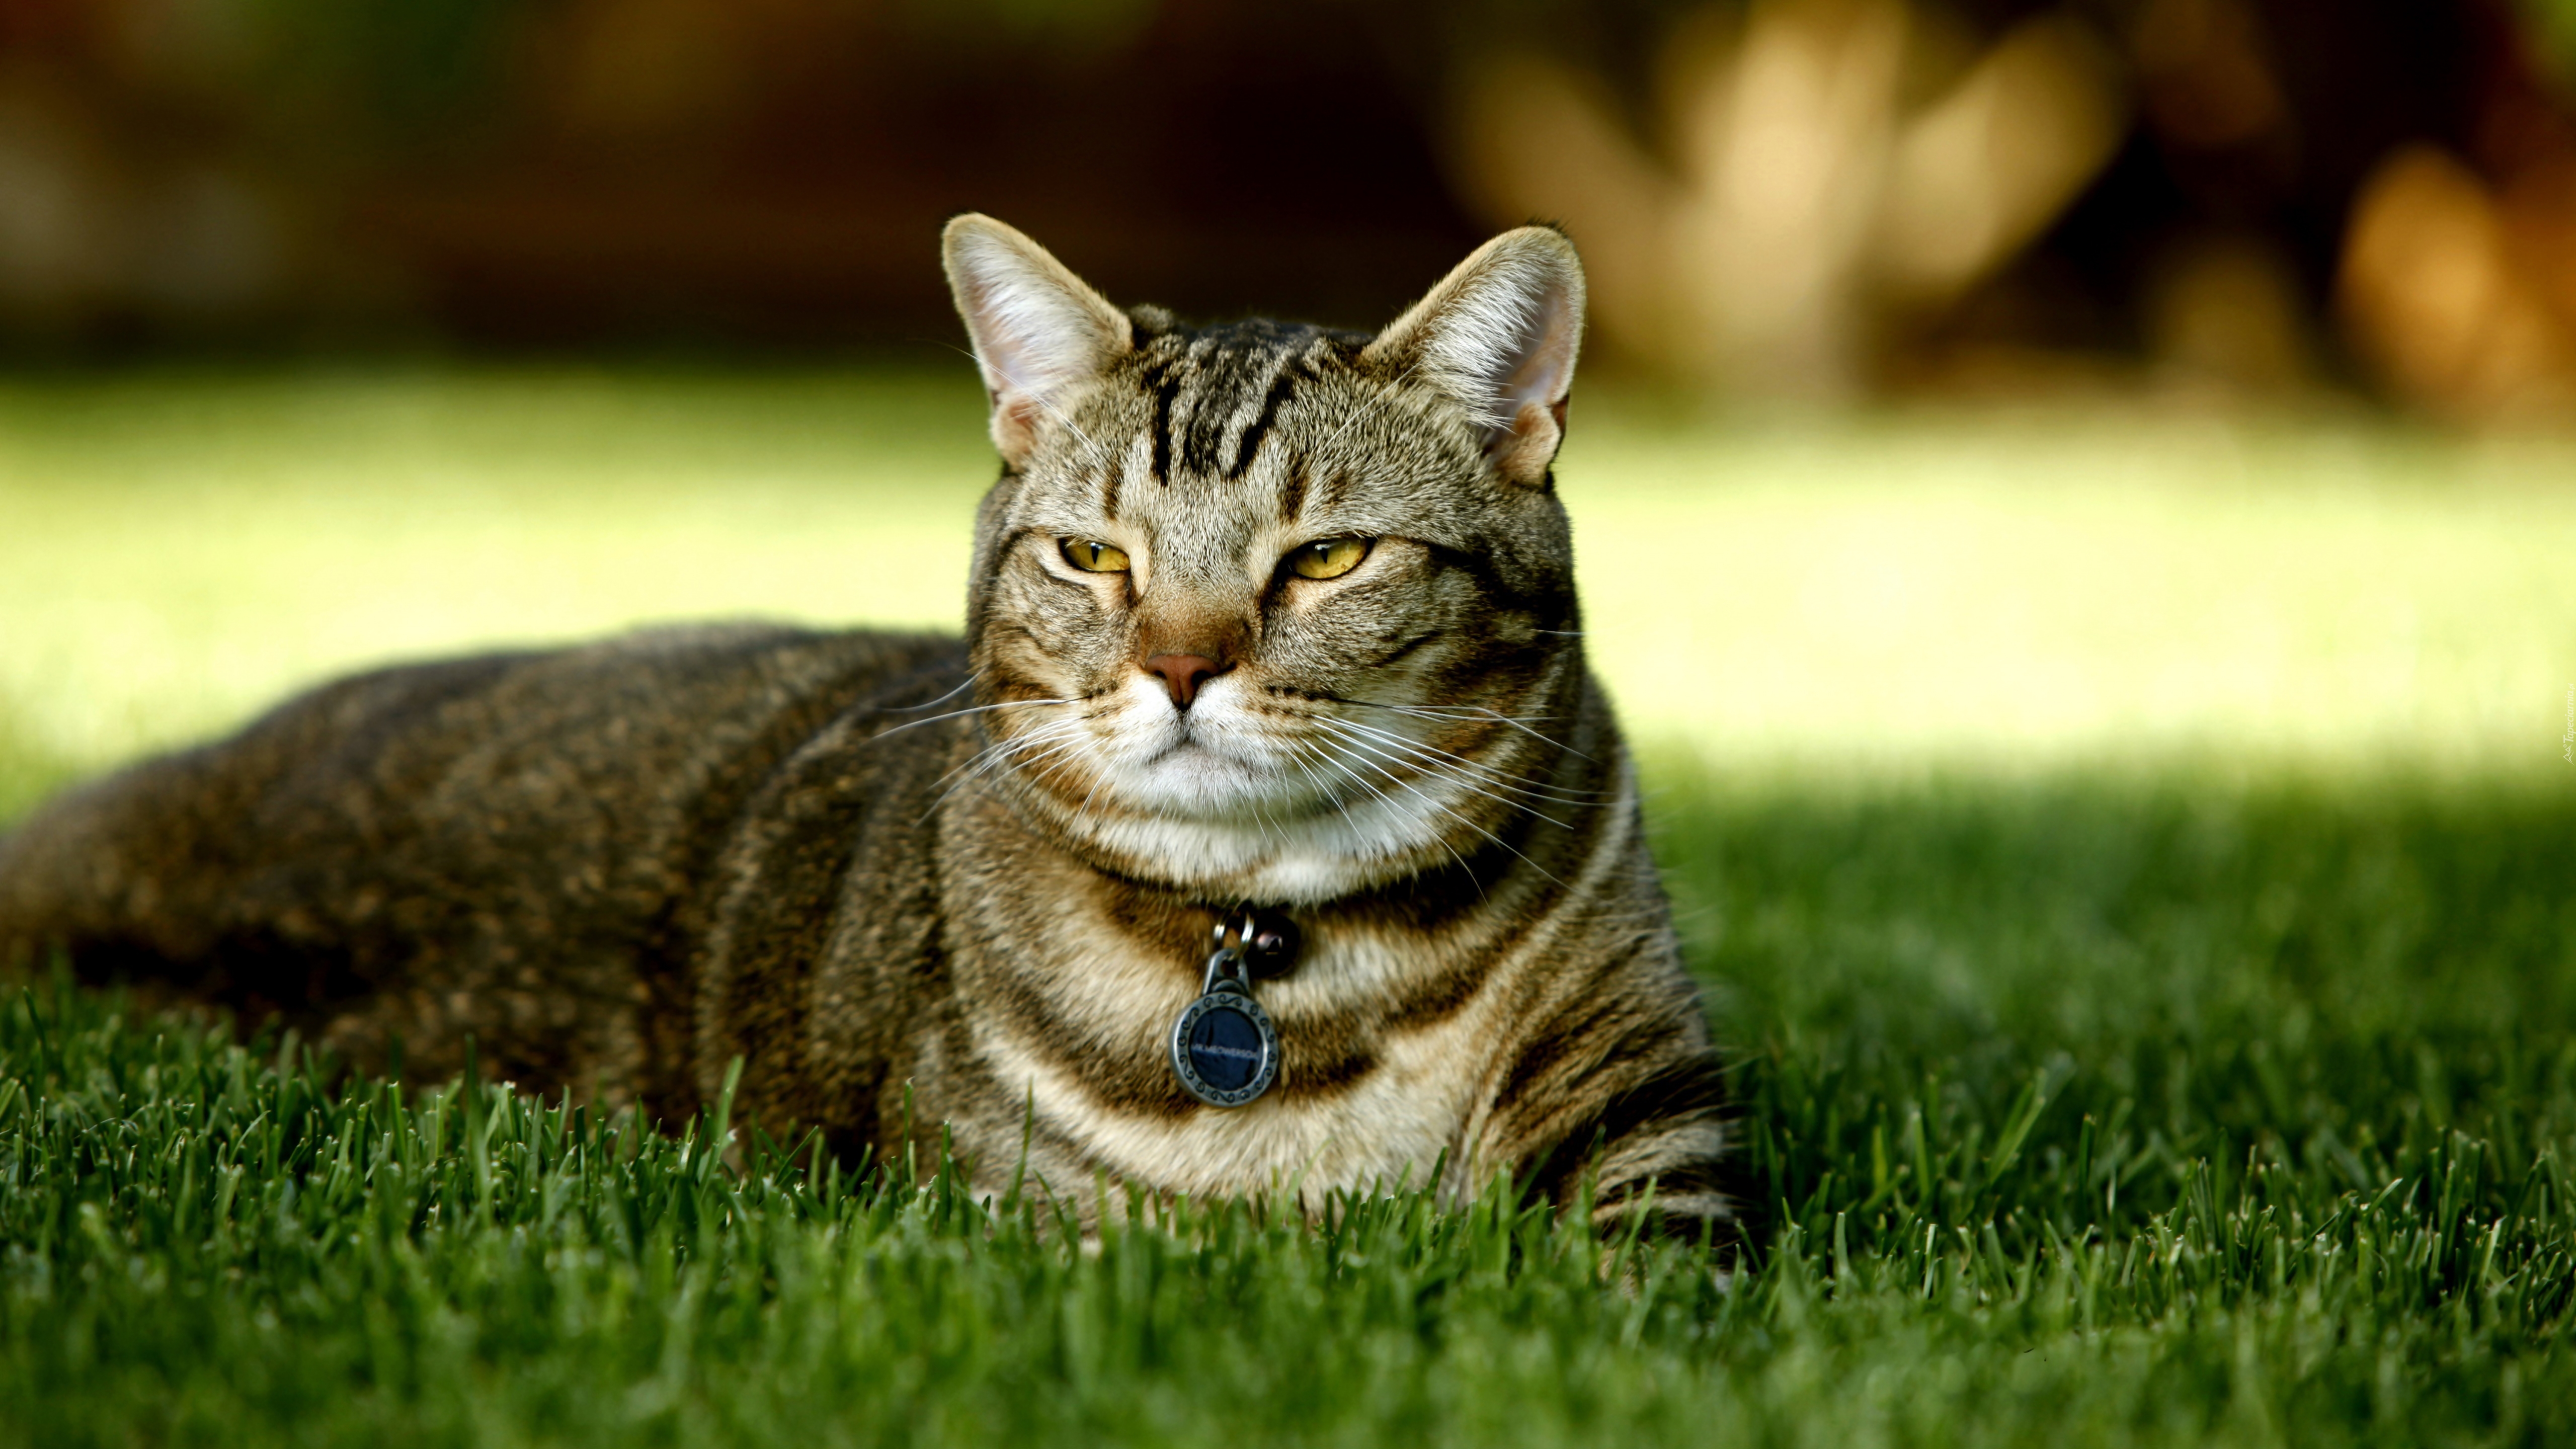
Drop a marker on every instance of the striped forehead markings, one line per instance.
(1165, 387)
(1283, 385)
(1219, 379)
(1292, 491)
(1203, 381)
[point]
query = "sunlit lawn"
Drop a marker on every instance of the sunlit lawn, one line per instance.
(2130, 856)
(2004, 590)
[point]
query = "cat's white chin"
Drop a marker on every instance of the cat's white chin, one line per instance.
(1293, 861)
(1211, 765)
(1210, 786)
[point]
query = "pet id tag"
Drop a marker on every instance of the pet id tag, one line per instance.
(1224, 1049)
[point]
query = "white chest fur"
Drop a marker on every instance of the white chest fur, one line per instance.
(1390, 1123)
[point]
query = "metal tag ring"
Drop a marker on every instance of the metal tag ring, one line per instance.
(1224, 1049)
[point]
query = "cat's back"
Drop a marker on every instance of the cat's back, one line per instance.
(524, 814)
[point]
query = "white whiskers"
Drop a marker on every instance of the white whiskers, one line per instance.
(1057, 738)
(1475, 774)
(962, 713)
(1461, 713)
(1431, 769)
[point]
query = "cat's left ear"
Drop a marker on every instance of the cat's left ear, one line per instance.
(1041, 333)
(1500, 335)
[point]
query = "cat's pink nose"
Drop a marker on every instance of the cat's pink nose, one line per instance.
(1183, 674)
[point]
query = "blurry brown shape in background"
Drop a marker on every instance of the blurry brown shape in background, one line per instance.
(2457, 279)
(2459, 296)
(2221, 304)
(1812, 207)
(103, 222)
(2226, 310)
(2204, 77)
(651, 70)
(740, 175)
(1819, 200)
(1978, 173)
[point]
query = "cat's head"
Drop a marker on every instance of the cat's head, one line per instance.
(1272, 611)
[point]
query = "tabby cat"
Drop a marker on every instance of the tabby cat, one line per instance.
(1259, 616)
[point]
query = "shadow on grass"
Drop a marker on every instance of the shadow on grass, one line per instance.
(2075, 998)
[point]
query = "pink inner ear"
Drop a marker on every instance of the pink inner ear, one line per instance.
(1028, 354)
(1531, 393)
(1544, 369)
(1040, 334)
(1015, 423)
(1522, 449)
(1012, 375)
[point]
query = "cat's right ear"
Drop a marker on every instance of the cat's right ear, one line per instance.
(1041, 334)
(1500, 334)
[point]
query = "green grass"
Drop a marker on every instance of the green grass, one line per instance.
(2166, 1117)
(2158, 1028)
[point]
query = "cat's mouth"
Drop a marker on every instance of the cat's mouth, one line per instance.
(1247, 787)
(1203, 751)
(1248, 765)
(1213, 762)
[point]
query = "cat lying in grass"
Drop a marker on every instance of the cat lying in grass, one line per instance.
(1265, 832)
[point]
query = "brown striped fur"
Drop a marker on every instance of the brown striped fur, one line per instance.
(979, 879)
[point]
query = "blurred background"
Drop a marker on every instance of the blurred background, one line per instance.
(1984, 381)
(1813, 201)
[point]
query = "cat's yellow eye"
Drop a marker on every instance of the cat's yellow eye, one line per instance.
(1328, 558)
(1092, 556)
